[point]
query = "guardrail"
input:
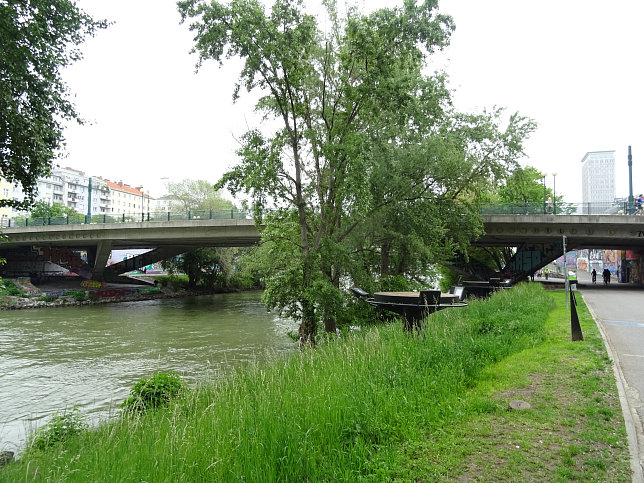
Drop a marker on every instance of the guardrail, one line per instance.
(561, 208)
(127, 218)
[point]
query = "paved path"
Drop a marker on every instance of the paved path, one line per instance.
(618, 310)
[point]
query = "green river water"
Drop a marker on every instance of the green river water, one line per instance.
(89, 357)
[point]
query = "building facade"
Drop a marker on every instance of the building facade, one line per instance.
(598, 178)
(128, 200)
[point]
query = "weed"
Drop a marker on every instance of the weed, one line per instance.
(78, 295)
(153, 392)
(59, 429)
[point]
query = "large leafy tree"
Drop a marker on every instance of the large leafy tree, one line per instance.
(361, 139)
(207, 266)
(38, 38)
(197, 194)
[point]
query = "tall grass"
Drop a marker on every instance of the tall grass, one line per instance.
(329, 414)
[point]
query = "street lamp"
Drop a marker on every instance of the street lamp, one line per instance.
(554, 191)
(543, 181)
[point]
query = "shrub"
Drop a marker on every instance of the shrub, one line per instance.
(48, 298)
(78, 295)
(153, 392)
(12, 289)
(59, 429)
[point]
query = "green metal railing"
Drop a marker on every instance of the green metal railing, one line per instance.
(561, 208)
(151, 216)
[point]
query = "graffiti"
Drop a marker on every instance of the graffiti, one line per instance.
(113, 292)
(92, 284)
(582, 264)
(62, 256)
(595, 254)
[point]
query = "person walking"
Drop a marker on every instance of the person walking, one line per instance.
(549, 204)
(593, 275)
(606, 276)
(546, 272)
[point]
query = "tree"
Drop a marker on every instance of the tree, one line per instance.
(41, 209)
(208, 266)
(525, 184)
(362, 137)
(35, 41)
(191, 194)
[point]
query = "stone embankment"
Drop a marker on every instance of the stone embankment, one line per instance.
(37, 302)
(65, 294)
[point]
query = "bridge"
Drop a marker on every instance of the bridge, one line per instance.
(36, 241)
(538, 236)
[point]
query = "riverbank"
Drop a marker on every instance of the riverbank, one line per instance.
(381, 405)
(74, 292)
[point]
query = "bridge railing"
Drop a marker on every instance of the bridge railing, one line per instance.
(152, 216)
(560, 208)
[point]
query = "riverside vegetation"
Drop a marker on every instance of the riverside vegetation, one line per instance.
(381, 405)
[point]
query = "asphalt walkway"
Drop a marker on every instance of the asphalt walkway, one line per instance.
(617, 310)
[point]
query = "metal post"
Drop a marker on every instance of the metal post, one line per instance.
(89, 201)
(566, 283)
(543, 180)
(630, 181)
(554, 192)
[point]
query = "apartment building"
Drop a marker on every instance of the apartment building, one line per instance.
(126, 199)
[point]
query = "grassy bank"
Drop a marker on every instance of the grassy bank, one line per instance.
(383, 406)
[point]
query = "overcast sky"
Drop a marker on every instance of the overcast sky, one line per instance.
(574, 66)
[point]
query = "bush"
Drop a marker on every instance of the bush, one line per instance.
(153, 392)
(59, 429)
(47, 298)
(12, 289)
(78, 295)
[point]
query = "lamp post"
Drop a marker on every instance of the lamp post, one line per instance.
(142, 203)
(543, 181)
(554, 192)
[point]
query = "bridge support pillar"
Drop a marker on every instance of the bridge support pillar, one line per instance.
(101, 256)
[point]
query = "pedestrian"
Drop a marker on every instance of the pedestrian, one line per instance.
(593, 275)
(638, 204)
(549, 204)
(546, 271)
(606, 276)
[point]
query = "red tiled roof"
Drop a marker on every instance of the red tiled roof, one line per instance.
(120, 186)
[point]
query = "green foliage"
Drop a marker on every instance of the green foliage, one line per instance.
(60, 428)
(12, 289)
(48, 298)
(191, 194)
(153, 392)
(34, 100)
(78, 295)
(369, 172)
(41, 209)
(525, 184)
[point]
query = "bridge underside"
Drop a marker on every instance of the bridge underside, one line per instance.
(85, 249)
(539, 240)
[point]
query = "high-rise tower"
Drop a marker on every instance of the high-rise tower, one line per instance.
(598, 178)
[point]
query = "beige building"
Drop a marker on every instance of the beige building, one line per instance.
(6, 193)
(127, 200)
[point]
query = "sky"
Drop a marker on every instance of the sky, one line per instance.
(574, 66)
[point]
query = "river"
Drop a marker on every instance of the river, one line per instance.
(90, 357)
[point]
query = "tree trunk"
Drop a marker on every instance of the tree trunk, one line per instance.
(384, 258)
(308, 327)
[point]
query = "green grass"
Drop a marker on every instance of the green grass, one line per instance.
(383, 406)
